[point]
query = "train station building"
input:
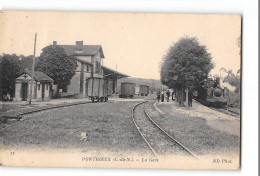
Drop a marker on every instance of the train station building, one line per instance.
(89, 64)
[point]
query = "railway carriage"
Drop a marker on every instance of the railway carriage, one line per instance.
(127, 90)
(144, 90)
(98, 89)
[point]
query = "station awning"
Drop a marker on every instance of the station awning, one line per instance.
(112, 74)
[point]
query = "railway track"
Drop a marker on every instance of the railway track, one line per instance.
(21, 116)
(159, 141)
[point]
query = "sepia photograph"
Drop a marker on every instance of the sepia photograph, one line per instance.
(120, 90)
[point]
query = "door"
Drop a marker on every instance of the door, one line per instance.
(24, 91)
(86, 88)
(43, 91)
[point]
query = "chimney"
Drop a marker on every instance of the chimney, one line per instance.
(54, 42)
(79, 43)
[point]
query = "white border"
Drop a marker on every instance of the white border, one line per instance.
(249, 10)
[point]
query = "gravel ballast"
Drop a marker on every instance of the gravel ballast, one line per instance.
(202, 134)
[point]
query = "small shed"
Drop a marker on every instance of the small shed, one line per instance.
(41, 87)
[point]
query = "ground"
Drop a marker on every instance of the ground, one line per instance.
(109, 126)
(201, 129)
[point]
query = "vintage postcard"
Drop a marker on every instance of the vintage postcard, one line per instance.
(120, 90)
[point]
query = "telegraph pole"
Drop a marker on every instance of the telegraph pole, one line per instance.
(32, 75)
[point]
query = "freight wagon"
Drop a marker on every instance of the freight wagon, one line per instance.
(144, 90)
(98, 89)
(127, 90)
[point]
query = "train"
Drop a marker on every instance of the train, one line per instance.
(127, 90)
(209, 93)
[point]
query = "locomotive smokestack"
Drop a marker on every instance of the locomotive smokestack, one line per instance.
(218, 81)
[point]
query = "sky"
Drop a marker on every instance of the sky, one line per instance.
(135, 43)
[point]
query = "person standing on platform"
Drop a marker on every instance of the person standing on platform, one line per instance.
(162, 97)
(168, 95)
(158, 93)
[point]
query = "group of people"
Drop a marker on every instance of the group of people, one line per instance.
(160, 95)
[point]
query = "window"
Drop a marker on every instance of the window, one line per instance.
(47, 86)
(88, 68)
(97, 67)
(38, 86)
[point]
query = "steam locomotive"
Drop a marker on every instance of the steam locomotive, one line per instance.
(211, 94)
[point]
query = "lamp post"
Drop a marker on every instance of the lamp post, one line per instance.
(32, 75)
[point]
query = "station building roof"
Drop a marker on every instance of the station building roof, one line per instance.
(38, 76)
(89, 50)
(112, 74)
(82, 50)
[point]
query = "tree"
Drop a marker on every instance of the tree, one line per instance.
(25, 62)
(10, 69)
(233, 80)
(55, 63)
(186, 63)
